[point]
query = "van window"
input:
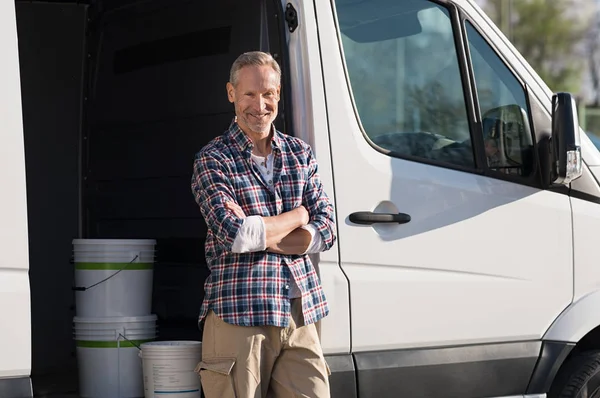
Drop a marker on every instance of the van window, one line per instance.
(507, 137)
(405, 79)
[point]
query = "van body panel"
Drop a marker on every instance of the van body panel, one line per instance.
(577, 320)
(342, 380)
(586, 223)
(448, 372)
(15, 303)
(310, 124)
(580, 317)
(15, 344)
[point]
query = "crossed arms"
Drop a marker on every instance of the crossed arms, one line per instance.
(288, 233)
(283, 234)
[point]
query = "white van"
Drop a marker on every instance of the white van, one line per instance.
(466, 263)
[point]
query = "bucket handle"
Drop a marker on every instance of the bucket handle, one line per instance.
(132, 343)
(83, 289)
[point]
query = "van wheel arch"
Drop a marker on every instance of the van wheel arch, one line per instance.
(578, 362)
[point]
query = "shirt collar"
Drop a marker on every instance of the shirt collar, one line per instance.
(244, 142)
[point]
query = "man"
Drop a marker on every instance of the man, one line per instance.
(261, 196)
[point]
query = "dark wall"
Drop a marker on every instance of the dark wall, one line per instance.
(51, 84)
(157, 95)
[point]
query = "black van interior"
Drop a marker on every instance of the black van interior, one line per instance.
(118, 96)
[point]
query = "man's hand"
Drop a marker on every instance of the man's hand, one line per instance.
(236, 209)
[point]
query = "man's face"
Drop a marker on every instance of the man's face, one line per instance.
(255, 98)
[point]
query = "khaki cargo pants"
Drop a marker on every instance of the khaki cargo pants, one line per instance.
(260, 362)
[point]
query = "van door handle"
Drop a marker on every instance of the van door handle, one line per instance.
(368, 218)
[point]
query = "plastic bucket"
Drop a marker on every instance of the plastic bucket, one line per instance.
(112, 257)
(168, 368)
(110, 244)
(113, 289)
(108, 356)
(113, 277)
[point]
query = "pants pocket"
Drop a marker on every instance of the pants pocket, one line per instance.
(216, 378)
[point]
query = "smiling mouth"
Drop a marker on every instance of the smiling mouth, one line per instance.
(260, 117)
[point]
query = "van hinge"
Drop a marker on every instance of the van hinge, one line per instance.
(291, 17)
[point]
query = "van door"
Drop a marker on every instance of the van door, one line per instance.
(15, 327)
(449, 243)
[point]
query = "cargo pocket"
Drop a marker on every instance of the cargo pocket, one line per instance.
(216, 378)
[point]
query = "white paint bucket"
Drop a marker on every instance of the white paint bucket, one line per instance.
(108, 355)
(113, 277)
(169, 368)
(114, 244)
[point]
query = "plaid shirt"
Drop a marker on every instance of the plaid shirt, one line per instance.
(252, 289)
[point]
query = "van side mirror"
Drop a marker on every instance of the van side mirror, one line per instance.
(565, 141)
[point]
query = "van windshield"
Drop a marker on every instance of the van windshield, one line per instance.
(594, 138)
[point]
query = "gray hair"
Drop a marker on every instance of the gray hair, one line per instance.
(253, 58)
